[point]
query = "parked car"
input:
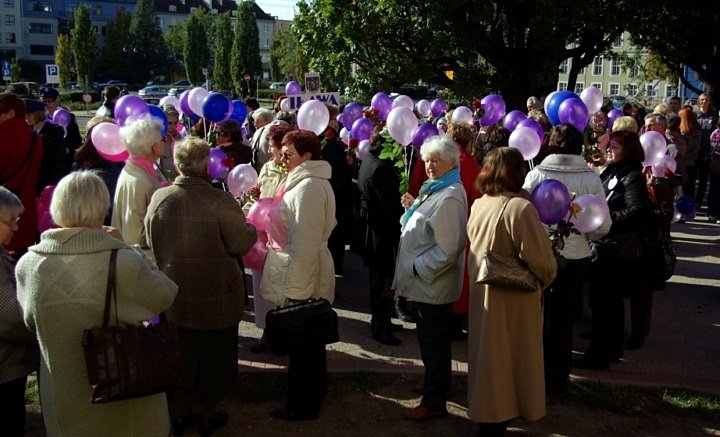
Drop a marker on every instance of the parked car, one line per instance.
(156, 83)
(176, 91)
(183, 82)
(152, 91)
(618, 101)
(277, 86)
(118, 83)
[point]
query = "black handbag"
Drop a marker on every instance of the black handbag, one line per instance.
(662, 261)
(301, 324)
(623, 247)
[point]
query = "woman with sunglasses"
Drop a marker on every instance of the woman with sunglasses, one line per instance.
(229, 139)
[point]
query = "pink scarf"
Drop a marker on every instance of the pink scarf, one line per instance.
(277, 233)
(148, 167)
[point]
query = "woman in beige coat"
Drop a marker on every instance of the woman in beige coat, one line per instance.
(505, 368)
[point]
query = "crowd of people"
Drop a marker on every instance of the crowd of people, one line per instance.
(181, 238)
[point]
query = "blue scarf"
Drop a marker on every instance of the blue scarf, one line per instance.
(428, 187)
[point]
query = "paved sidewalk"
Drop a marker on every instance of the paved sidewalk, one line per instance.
(682, 351)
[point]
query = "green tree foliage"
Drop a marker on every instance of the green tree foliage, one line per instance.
(195, 52)
(287, 56)
(174, 38)
(146, 49)
(15, 70)
(246, 46)
(62, 59)
(223, 47)
(83, 40)
(112, 56)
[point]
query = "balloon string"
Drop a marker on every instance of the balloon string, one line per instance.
(531, 164)
(409, 162)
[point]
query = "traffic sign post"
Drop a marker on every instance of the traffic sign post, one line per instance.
(6, 76)
(52, 73)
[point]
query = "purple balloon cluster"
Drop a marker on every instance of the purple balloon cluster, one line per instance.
(566, 107)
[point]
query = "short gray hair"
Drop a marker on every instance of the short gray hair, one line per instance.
(286, 117)
(659, 118)
(9, 203)
(192, 156)
(170, 110)
(441, 147)
(81, 199)
(262, 114)
(139, 134)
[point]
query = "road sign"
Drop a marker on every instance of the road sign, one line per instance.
(655, 83)
(52, 73)
(5, 70)
(247, 77)
(256, 77)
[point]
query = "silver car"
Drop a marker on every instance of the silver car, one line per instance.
(152, 91)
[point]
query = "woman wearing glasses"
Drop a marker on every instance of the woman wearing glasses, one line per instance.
(229, 139)
(299, 265)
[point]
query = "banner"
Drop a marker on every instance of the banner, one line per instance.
(298, 99)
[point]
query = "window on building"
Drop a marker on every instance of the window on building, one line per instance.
(614, 89)
(634, 71)
(614, 67)
(120, 9)
(95, 28)
(9, 20)
(267, 43)
(598, 66)
(172, 8)
(579, 86)
(42, 50)
(193, 9)
(562, 86)
(597, 85)
(582, 71)
(9, 3)
(70, 10)
(42, 7)
(103, 31)
(564, 67)
(650, 91)
(670, 90)
(162, 21)
(632, 89)
(9, 38)
(618, 42)
(41, 28)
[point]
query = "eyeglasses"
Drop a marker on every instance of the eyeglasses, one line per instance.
(220, 133)
(11, 223)
(286, 155)
(49, 100)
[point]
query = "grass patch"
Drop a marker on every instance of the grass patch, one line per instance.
(32, 393)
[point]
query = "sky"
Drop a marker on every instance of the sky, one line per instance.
(283, 9)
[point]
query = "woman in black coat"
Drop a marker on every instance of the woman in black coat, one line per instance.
(618, 264)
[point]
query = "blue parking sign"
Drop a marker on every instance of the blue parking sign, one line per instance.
(52, 72)
(5, 70)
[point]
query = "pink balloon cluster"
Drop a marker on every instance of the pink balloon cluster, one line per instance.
(259, 214)
(255, 258)
(106, 139)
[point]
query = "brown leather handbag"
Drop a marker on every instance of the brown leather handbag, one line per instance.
(126, 361)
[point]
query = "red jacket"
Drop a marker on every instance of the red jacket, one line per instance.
(21, 153)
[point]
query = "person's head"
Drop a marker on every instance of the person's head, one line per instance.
(688, 120)
(81, 199)
(628, 109)
(442, 124)
(626, 123)
(262, 117)
(461, 133)
(228, 130)
(35, 112)
(299, 146)
(142, 137)
(656, 122)
(87, 151)
(111, 93)
(11, 106)
(704, 102)
(542, 118)
(51, 98)
(674, 104)
(173, 117)
(252, 103)
(275, 135)
(565, 139)
(10, 209)
(191, 157)
(533, 103)
(286, 116)
(624, 146)
(661, 108)
(503, 170)
(440, 154)
(673, 122)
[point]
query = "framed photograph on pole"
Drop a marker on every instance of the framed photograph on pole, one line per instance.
(312, 82)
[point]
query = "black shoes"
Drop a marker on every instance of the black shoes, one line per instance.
(179, 424)
(634, 343)
(209, 425)
(403, 311)
(584, 363)
(289, 415)
(385, 337)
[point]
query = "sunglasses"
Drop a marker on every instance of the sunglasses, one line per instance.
(287, 156)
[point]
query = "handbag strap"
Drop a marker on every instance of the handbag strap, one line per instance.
(111, 288)
(497, 222)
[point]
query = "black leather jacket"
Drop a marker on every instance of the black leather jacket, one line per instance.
(627, 197)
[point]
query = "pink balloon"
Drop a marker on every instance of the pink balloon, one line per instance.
(655, 147)
(255, 258)
(46, 195)
(313, 116)
(593, 99)
(45, 222)
(362, 149)
(259, 214)
(106, 139)
(592, 214)
(241, 178)
(462, 114)
(115, 158)
(525, 139)
(403, 100)
(401, 124)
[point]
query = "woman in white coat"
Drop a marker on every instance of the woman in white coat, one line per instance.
(298, 265)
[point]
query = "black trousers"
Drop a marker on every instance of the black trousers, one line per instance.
(434, 336)
(607, 287)
(714, 196)
(703, 171)
(12, 408)
(560, 305)
(382, 300)
(307, 379)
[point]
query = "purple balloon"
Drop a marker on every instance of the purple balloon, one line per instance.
(381, 102)
(184, 107)
(422, 133)
(612, 116)
(361, 129)
(494, 107)
(573, 111)
(512, 119)
(340, 119)
(552, 201)
(534, 125)
(129, 106)
(552, 105)
(352, 112)
(292, 88)
(61, 117)
(438, 107)
(216, 168)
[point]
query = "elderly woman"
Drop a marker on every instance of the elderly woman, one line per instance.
(229, 139)
(61, 288)
(272, 174)
(139, 178)
(429, 269)
(505, 368)
(197, 234)
(165, 163)
(299, 265)
(18, 348)
(566, 164)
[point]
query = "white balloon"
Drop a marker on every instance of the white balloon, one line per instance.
(593, 99)
(285, 105)
(313, 116)
(526, 140)
(401, 124)
(404, 101)
(170, 100)
(462, 114)
(423, 108)
(655, 147)
(345, 136)
(195, 99)
(362, 149)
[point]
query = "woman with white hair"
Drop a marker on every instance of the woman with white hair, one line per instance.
(139, 178)
(61, 284)
(429, 268)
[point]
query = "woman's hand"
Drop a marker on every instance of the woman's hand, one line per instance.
(407, 200)
(113, 232)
